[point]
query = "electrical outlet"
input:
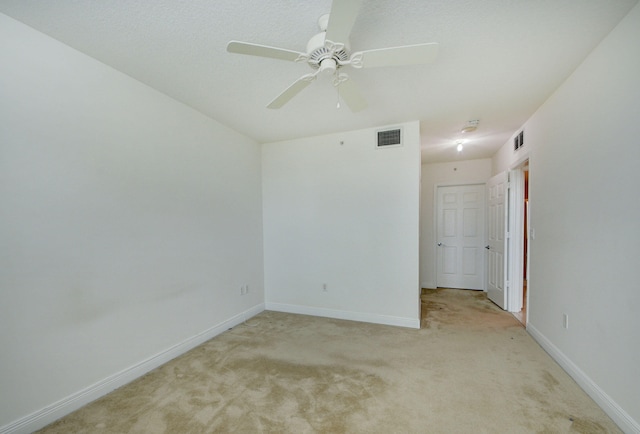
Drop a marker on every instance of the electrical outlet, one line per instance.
(565, 320)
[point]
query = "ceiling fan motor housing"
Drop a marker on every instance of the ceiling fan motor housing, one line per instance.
(319, 52)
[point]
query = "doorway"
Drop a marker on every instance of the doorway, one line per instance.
(508, 247)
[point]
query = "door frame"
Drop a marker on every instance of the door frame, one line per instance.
(516, 238)
(434, 249)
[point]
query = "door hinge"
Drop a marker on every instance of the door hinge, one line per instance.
(508, 235)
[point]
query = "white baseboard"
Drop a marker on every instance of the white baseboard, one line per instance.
(52, 412)
(428, 284)
(624, 421)
(343, 314)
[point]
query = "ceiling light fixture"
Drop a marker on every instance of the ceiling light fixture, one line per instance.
(459, 148)
(470, 127)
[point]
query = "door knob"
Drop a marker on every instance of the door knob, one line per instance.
(487, 247)
(439, 244)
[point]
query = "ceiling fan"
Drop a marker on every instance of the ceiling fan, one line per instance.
(329, 51)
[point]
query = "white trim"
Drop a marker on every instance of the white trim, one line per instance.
(55, 411)
(526, 302)
(624, 421)
(521, 159)
(516, 248)
(344, 314)
(456, 183)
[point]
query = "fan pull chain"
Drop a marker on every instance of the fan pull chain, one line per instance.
(337, 83)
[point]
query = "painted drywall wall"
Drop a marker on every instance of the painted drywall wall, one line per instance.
(341, 213)
(583, 192)
(129, 223)
(434, 174)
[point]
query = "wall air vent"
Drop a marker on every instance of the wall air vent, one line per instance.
(389, 138)
(518, 141)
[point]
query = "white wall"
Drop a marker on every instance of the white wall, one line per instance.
(129, 223)
(434, 174)
(584, 146)
(345, 216)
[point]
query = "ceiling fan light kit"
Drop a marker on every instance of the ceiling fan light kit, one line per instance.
(328, 52)
(470, 127)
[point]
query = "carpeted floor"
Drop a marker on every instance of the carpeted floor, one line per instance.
(472, 368)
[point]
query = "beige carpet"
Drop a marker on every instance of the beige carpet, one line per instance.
(471, 369)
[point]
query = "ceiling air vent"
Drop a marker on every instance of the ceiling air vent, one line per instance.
(389, 138)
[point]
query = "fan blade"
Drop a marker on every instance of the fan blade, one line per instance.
(292, 91)
(396, 56)
(343, 15)
(263, 51)
(351, 95)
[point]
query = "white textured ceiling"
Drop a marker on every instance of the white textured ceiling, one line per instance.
(499, 60)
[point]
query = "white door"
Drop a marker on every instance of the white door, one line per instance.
(460, 224)
(497, 239)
